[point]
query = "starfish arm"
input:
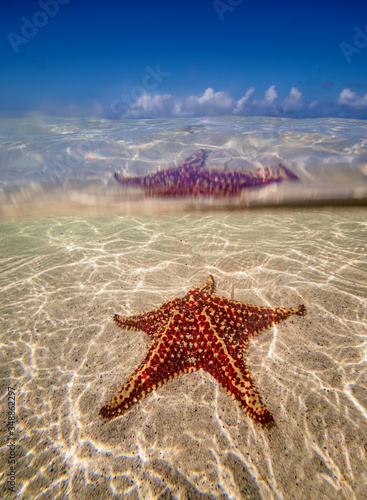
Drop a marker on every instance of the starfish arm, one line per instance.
(130, 322)
(224, 363)
(166, 359)
(127, 180)
(266, 175)
(233, 375)
(284, 172)
(218, 183)
(240, 321)
(150, 321)
(209, 286)
(172, 181)
(153, 181)
(196, 161)
(231, 183)
(276, 173)
(259, 319)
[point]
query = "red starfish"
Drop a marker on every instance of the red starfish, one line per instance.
(190, 178)
(201, 330)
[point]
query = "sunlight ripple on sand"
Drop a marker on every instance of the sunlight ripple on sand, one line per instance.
(63, 279)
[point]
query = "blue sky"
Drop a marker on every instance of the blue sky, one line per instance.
(188, 58)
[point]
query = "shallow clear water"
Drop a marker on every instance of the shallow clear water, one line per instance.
(63, 278)
(57, 166)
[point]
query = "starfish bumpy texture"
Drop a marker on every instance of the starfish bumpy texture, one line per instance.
(200, 331)
(190, 178)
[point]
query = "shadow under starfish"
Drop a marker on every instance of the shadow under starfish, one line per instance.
(199, 331)
(190, 178)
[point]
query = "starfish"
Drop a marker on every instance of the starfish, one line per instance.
(191, 178)
(199, 331)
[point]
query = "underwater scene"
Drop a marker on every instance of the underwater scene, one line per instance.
(158, 344)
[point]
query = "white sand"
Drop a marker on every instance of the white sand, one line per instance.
(63, 278)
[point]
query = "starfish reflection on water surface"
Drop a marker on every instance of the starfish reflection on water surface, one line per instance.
(201, 330)
(190, 178)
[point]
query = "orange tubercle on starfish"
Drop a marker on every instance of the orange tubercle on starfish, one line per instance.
(200, 331)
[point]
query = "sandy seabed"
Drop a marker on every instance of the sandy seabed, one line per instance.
(63, 278)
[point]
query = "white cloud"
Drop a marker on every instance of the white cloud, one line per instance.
(349, 98)
(241, 103)
(212, 103)
(294, 101)
(151, 106)
(270, 95)
(269, 98)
